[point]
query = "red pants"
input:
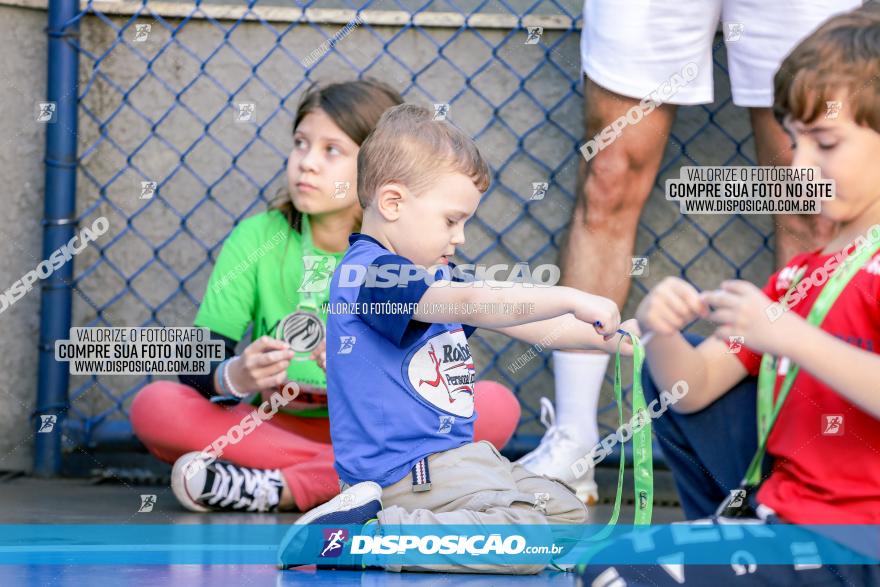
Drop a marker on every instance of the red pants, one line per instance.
(172, 419)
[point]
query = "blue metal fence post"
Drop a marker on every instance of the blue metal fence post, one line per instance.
(59, 218)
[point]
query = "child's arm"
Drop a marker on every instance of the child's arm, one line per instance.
(502, 302)
(850, 371)
(566, 332)
(709, 370)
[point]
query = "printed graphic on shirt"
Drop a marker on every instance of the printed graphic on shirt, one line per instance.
(789, 275)
(442, 372)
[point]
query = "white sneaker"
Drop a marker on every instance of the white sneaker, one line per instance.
(357, 505)
(202, 486)
(556, 453)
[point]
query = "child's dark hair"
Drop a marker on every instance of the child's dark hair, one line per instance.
(839, 61)
(354, 106)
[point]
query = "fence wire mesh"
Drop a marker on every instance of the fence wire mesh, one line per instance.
(160, 89)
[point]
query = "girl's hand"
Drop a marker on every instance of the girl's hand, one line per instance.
(601, 312)
(739, 309)
(319, 355)
(670, 306)
(262, 365)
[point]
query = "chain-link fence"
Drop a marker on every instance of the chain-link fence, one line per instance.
(163, 154)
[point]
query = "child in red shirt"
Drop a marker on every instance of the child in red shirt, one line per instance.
(831, 108)
(822, 462)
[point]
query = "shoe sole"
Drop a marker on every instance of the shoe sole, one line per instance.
(178, 485)
(363, 493)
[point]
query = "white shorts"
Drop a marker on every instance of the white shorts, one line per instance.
(632, 47)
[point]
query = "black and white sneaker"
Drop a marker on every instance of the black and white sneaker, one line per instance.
(223, 486)
(357, 505)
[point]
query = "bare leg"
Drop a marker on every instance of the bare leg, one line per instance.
(611, 190)
(795, 233)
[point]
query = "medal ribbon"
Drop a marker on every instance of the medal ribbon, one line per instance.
(643, 462)
(308, 300)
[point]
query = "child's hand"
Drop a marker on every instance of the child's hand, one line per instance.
(601, 312)
(626, 347)
(319, 355)
(739, 309)
(670, 306)
(262, 365)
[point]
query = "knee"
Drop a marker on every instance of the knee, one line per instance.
(617, 183)
(156, 401)
(498, 412)
(649, 387)
(569, 510)
(499, 398)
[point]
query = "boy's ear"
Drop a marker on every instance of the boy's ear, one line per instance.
(389, 200)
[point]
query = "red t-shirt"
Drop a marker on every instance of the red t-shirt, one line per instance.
(826, 470)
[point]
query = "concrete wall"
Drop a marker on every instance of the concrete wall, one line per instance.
(23, 51)
(141, 114)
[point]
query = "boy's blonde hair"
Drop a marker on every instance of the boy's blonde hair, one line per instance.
(410, 147)
(838, 61)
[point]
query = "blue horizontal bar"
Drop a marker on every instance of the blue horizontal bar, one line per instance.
(72, 544)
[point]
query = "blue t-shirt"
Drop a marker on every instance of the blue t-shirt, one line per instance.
(397, 389)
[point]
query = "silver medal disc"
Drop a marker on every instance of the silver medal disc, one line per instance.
(303, 331)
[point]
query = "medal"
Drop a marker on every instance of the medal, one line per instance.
(303, 329)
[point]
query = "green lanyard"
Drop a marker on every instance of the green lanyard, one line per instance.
(643, 463)
(768, 411)
(308, 297)
(304, 329)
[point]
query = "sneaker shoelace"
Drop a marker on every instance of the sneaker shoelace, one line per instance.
(242, 488)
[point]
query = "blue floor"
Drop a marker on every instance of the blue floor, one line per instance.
(28, 500)
(249, 576)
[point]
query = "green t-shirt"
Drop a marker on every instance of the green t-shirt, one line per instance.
(255, 281)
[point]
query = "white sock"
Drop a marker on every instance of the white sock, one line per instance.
(578, 380)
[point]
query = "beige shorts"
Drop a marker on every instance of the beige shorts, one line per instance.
(475, 484)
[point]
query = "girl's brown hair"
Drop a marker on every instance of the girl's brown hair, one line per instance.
(354, 106)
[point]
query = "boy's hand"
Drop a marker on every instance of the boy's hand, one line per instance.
(670, 306)
(626, 347)
(601, 312)
(739, 309)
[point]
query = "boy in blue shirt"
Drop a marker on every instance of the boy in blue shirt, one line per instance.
(400, 378)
